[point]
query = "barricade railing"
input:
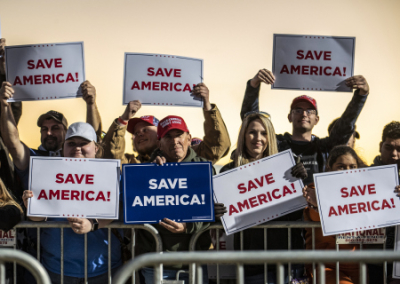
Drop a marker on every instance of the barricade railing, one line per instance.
(269, 225)
(25, 260)
(113, 225)
(240, 258)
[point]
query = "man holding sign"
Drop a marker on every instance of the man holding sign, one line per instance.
(174, 146)
(214, 146)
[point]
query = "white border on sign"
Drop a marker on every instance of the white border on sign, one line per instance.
(69, 96)
(176, 164)
(104, 216)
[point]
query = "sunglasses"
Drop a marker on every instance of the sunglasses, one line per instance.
(263, 113)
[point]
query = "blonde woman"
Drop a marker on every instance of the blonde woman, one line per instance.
(10, 211)
(257, 140)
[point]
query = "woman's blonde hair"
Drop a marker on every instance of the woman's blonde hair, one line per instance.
(6, 198)
(241, 156)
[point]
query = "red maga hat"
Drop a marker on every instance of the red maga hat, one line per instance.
(306, 99)
(171, 122)
(147, 118)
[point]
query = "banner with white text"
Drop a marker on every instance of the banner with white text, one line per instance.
(74, 187)
(45, 71)
(358, 199)
(258, 192)
(181, 192)
(161, 79)
(312, 63)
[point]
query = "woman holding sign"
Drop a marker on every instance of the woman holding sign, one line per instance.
(257, 140)
(340, 158)
(80, 142)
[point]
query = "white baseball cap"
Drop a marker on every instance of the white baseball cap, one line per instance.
(81, 129)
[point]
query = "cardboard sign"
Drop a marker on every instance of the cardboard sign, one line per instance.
(162, 80)
(359, 199)
(312, 63)
(45, 71)
(74, 187)
(375, 236)
(178, 191)
(258, 192)
(7, 239)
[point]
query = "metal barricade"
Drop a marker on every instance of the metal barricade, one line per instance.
(257, 257)
(114, 225)
(27, 261)
(270, 225)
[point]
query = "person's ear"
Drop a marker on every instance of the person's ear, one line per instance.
(189, 138)
(317, 119)
(380, 147)
(96, 148)
(289, 117)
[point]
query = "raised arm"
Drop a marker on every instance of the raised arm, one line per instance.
(216, 141)
(92, 112)
(251, 95)
(9, 131)
(345, 125)
(114, 141)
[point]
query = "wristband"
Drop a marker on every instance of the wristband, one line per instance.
(124, 122)
(95, 224)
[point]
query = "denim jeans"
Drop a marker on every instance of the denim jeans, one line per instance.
(100, 279)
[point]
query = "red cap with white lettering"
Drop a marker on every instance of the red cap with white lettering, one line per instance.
(147, 118)
(306, 99)
(171, 122)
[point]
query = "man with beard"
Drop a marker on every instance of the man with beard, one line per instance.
(53, 126)
(214, 146)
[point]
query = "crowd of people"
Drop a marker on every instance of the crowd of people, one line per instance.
(158, 142)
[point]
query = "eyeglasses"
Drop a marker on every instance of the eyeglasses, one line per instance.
(301, 111)
(263, 113)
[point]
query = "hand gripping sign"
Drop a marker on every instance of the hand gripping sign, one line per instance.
(312, 63)
(258, 192)
(178, 191)
(162, 80)
(74, 187)
(45, 71)
(359, 199)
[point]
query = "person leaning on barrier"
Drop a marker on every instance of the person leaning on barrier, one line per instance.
(303, 116)
(174, 146)
(214, 146)
(257, 140)
(389, 149)
(53, 126)
(7, 173)
(340, 158)
(80, 142)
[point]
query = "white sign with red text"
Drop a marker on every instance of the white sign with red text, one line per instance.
(396, 264)
(358, 199)
(258, 192)
(161, 79)
(7, 239)
(74, 187)
(45, 71)
(375, 236)
(312, 63)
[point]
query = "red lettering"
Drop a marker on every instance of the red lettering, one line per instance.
(251, 185)
(274, 195)
(353, 208)
(253, 202)
(69, 78)
(57, 63)
(232, 209)
(43, 195)
(186, 88)
(361, 207)
(327, 55)
(309, 55)
(300, 54)
(40, 64)
(59, 178)
(70, 179)
(89, 179)
(74, 194)
(242, 188)
(353, 191)
(344, 192)
(156, 85)
(164, 86)
(326, 73)
(31, 65)
(332, 212)
(286, 190)
(294, 69)
(269, 178)
(243, 205)
(46, 79)
(284, 69)
(58, 78)
(304, 70)
(177, 72)
(337, 72)
(314, 70)
(64, 194)
(371, 189)
(100, 196)
(28, 80)
(150, 71)
(373, 205)
(260, 183)
(168, 73)
(87, 195)
(17, 81)
(135, 85)
(55, 194)
(178, 90)
(385, 204)
(159, 72)
(343, 209)
(146, 85)
(262, 198)
(79, 180)
(38, 79)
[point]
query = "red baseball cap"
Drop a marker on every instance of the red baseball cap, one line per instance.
(306, 99)
(170, 122)
(146, 118)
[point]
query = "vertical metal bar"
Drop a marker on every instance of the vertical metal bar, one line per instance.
(109, 255)
(133, 244)
(38, 244)
(265, 264)
(15, 264)
(158, 274)
(62, 255)
(289, 249)
(241, 240)
(199, 273)
(384, 267)
(363, 273)
(314, 270)
(337, 266)
(321, 272)
(239, 273)
(85, 248)
(2, 272)
(280, 273)
(217, 236)
(361, 246)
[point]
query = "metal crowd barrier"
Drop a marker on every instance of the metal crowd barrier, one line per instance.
(27, 261)
(116, 225)
(270, 225)
(257, 257)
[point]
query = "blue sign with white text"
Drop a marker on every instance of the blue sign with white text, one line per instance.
(182, 192)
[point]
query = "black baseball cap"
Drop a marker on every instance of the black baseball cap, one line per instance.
(57, 116)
